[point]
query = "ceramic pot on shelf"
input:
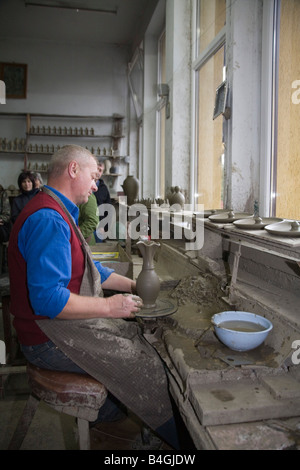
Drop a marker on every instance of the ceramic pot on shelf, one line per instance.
(114, 169)
(107, 166)
(131, 189)
(147, 283)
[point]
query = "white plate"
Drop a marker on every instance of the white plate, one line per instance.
(207, 212)
(285, 228)
(255, 223)
(228, 217)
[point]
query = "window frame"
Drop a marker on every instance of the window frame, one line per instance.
(199, 60)
(160, 106)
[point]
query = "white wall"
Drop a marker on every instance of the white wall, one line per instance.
(68, 79)
(64, 78)
(178, 44)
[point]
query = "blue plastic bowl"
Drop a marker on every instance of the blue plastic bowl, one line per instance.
(241, 340)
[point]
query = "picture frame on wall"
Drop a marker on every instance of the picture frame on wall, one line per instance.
(15, 78)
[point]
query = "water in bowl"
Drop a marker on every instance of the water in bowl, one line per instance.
(240, 325)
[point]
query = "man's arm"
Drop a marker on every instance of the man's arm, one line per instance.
(116, 306)
(49, 272)
(121, 283)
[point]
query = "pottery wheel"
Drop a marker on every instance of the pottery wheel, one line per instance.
(163, 308)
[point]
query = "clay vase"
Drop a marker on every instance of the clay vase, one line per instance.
(131, 189)
(107, 166)
(171, 194)
(147, 283)
(113, 170)
(178, 198)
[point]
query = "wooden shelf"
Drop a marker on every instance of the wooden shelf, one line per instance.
(111, 174)
(16, 152)
(78, 127)
(66, 116)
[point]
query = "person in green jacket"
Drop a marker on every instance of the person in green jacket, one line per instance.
(89, 219)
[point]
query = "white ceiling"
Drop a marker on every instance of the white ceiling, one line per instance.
(81, 21)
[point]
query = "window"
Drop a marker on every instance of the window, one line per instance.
(285, 202)
(210, 135)
(211, 16)
(210, 69)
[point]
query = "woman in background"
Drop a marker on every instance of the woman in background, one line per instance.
(38, 180)
(28, 191)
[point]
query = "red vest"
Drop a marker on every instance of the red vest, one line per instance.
(27, 330)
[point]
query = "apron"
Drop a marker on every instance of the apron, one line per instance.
(113, 351)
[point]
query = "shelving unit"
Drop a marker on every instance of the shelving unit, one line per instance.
(46, 133)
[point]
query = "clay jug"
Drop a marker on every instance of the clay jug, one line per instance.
(131, 189)
(147, 283)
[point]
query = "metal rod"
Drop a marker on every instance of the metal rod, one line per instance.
(36, 4)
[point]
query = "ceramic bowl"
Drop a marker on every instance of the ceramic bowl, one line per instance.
(237, 339)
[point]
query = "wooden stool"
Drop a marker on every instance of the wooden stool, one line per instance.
(74, 394)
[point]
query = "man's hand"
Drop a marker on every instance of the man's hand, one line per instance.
(117, 306)
(124, 305)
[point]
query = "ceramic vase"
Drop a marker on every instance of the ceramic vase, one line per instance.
(178, 199)
(107, 166)
(131, 189)
(170, 195)
(147, 283)
(114, 169)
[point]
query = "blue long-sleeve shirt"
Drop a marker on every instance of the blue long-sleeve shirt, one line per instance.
(44, 244)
